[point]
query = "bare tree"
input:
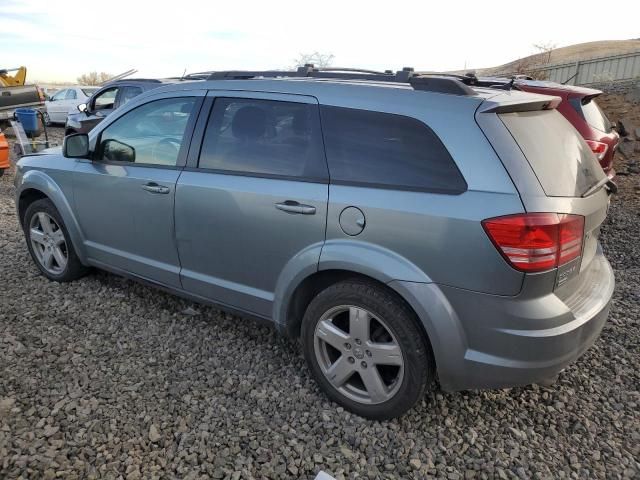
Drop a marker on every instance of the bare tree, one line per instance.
(544, 51)
(93, 78)
(320, 60)
(533, 65)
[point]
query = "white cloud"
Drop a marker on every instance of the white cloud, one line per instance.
(60, 40)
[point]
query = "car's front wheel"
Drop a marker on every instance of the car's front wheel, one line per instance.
(47, 119)
(49, 243)
(365, 349)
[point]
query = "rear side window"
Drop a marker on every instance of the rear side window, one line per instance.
(560, 158)
(264, 137)
(129, 93)
(386, 150)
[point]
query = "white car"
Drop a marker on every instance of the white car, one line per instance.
(64, 101)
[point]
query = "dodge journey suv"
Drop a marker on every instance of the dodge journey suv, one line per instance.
(406, 228)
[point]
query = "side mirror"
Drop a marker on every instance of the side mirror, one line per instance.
(76, 146)
(116, 151)
(83, 108)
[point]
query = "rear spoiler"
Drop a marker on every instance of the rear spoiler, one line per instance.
(519, 104)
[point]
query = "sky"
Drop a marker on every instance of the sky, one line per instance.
(59, 40)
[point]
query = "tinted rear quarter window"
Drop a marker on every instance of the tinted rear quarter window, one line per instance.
(387, 150)
(560, 158)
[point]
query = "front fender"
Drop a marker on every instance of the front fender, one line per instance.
(43, 183)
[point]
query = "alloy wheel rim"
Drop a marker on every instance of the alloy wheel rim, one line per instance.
(48, 243)
(358, 354)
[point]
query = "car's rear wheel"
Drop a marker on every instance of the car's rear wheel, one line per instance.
(366, 350)
(49, 243)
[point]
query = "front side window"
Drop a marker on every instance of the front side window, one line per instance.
(106, 99)
(59, 95)
(387, 150)
(151, 134)
(264, 137)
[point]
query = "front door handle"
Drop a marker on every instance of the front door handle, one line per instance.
(155, 188)
(294, 207)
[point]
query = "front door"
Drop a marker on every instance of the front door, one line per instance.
(98, 108)
(124, 196)
(254, 201)
(58, 106)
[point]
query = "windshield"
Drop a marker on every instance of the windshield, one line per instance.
(559, 156)
(595, 116)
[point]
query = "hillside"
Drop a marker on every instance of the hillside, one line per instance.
(571, 53)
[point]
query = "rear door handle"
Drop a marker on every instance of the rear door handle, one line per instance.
(155, 188)
(294, 207)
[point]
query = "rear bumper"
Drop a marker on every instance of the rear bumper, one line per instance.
(487, 341)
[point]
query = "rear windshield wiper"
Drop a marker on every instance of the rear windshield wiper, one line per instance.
(611, 187)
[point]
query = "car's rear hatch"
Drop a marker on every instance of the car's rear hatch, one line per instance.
(552, 167)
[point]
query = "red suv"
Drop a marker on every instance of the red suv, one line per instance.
(578, 105)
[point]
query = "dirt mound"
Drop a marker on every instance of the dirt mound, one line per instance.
(571, 53)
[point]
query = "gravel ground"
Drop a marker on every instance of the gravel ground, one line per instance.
(106, 378)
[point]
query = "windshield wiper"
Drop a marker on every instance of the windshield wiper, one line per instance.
(612, 187)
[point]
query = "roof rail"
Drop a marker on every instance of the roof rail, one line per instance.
(430, 82)
(122, 80)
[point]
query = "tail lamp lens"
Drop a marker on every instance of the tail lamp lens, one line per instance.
(535, 242)
(598, 148)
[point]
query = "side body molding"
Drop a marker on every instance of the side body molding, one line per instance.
(346, 255)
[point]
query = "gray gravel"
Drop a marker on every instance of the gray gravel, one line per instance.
(106, 378)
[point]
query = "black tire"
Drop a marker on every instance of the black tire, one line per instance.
(1, 172)
(47, 120)
(399, 319)
(74, 269)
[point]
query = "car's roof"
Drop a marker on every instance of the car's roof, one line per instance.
(336, 91)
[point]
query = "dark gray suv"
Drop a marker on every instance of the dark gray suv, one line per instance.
(105, 100)
(405, 227)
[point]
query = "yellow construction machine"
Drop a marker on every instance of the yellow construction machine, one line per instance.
(15, 80)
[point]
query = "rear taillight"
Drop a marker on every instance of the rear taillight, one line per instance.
(535, 242)
(598, 148)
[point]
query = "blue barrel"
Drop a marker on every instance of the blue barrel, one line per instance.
(28, 117)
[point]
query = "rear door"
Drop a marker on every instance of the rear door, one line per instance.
(253, 199)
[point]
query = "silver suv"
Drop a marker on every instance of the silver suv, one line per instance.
(405, 227)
